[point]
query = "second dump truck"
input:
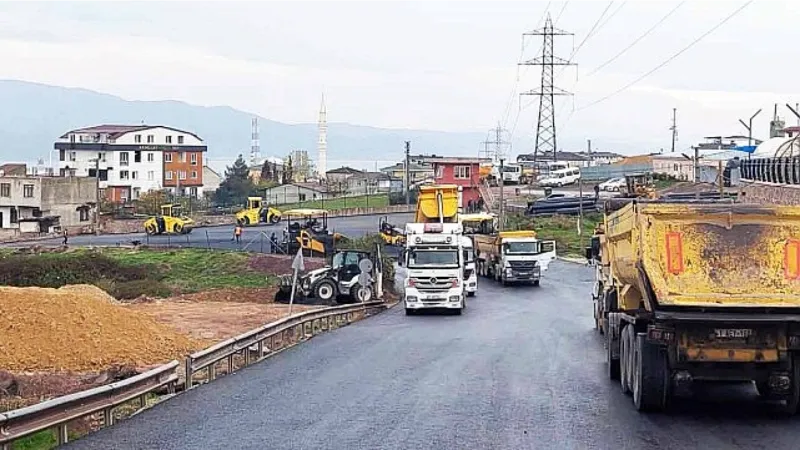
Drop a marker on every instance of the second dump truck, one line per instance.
(690, 292)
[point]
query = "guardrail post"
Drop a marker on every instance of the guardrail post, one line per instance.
(211, 372)
(260, 349)
(247, 356)
(142, 401)
(230, 364)
(189, 374)
(62, 437)
(108, 417)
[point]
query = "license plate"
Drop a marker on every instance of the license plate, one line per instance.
(732, 333)
(435, 299)
(524, 274)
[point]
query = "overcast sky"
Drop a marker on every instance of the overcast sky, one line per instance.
(443, 66)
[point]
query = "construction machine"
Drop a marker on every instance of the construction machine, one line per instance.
(438, 203)
(307, 229)
(170, 221)
(699, 291)
(257, 212)
(337, 282)
(640, 185)
(391, 234)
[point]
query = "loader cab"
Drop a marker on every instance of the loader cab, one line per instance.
(345, 263)
(254, 202)
(171, 210)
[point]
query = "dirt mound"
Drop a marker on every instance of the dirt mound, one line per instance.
(80, 328)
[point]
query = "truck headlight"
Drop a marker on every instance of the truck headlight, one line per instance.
(455, 299)
(411, 299)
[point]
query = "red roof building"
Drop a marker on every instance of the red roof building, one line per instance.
(460, 171)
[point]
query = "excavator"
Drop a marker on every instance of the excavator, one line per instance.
(170, 221)
(257, 212)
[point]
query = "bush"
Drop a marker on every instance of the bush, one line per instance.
(130, 290)
(368, 243)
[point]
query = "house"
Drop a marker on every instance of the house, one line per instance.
(133, 159)
(294, 193)
(460, 171)
(600, 158)
(417, 172)
(302, 166)
(368, 183)
(546, 159)
(276, 164)
(340, 175)
(13, 170)
(211, 180)
(71, 200)
(674, 165)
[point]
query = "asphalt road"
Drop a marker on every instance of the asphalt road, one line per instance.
(220, 237)
(522, 368)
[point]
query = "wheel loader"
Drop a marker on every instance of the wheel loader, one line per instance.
(257, 212)
(170, 221)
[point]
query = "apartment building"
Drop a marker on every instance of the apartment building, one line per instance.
(67, 202)
(134, 159)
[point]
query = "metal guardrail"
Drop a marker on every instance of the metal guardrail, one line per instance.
(276, 335)
(56, 413)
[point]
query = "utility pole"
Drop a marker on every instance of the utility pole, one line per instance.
(546, 124)
(408, 186)
(499, 150)
(749, 127)
(721, 180)
(502, 205)
(696, 164)
(674, 128)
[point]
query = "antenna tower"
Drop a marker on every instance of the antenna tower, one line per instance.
(546, 125)
(255, 146)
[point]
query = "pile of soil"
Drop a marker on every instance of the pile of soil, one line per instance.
(80, 328)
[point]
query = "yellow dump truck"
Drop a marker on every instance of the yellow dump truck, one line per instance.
(691, 292)
(438, 203)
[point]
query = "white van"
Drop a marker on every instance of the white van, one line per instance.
(561, 177)
(470, 275)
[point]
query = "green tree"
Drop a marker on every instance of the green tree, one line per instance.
(266, 171)
(236, 186)
(150, 202)
(288, 171)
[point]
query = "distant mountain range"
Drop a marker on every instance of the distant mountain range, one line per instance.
(33, 115)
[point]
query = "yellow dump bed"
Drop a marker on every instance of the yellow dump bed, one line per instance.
(707, 255)
(435, 197)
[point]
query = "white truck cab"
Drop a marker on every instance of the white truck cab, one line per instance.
(434, 262)
(470, 275)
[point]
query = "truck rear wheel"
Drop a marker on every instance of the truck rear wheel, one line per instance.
(613, 362)
(650, 375)
(791, 401)
(625, 360)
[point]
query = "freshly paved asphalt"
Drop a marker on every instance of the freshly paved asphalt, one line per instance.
(220, 237)
(522, 368)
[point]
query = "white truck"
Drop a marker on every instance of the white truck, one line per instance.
(513, 256)
(470, 274)
(434, 261)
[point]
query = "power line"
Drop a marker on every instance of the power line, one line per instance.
(561, 12)
(671, 58)
(588, 35)
(636, 41)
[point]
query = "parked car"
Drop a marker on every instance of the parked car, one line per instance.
(613, 185)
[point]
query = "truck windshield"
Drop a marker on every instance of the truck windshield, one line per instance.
(433, 258)
(512, 248)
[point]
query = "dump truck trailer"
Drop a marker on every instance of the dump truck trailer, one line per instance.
(690, 292)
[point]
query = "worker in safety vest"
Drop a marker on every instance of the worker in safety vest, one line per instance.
(237, 233)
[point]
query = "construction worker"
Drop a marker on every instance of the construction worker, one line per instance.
(237, 233)
(66, 237)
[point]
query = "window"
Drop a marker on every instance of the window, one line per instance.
(134, 176)
(182, 175)
(168, 175)
(135, 194)
(5, 189)
(151, 175)
(180, 139)
(302, 197)
(168, 157)
(169, 139)
(27, 190)
(182, 157)
(72, 156)
(62, 155)
(675, 167)
(150, 138)
(439, 172)
(71, 138)
(193, 159)
(151, 157)
(138, 138)
(194, 174)
(124, 174)
(193, 192)
(123, 159)
(137, 156)
(102, 156)
(84, 214)
(461, 172)
(14, 215)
